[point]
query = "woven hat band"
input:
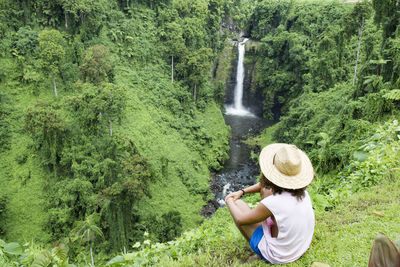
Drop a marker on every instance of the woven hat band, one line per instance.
(288, 160)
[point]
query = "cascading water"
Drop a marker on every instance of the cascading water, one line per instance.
(237, 108)
(238, 171)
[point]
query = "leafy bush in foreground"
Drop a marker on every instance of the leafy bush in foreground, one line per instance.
(13, 254)
(206, 237)
(217, 239)
(376, 159)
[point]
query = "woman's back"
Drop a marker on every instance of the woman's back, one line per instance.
(286, 171)
(295, 222)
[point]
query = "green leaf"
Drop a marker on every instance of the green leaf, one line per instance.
(392, 95)
(360, 156)
(379, 61)
(324, 136)
(130, 256)
(13, 248)
(319, 202)
(42, 260)
(60, 252)
(116, 261)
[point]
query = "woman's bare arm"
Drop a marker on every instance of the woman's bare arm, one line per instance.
(249, 190)
(253, 189)
(250, 216)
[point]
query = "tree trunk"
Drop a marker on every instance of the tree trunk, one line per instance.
(91, 254)
(25, 5)
(360, 30)
(55, 85)
(110, 120)
(194, 93)
(66, 19)
(172, 70)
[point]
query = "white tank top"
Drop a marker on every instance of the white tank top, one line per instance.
(295, 221)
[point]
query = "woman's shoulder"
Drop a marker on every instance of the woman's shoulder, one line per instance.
(278, 199)
(285, 199)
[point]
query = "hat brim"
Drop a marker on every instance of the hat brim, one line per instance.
(300, 180)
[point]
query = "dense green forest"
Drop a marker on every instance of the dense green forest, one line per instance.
(111, 122)
(94, 128)
(331, 70)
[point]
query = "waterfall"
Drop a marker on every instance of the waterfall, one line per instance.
(238, 171)
(237, 108)
(240, 77)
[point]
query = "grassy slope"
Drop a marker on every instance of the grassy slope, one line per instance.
(21, 180)
(144, 129)
(172, 157)
(22, 184)
(343, 236)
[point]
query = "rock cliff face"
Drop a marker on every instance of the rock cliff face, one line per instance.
(252, 97)
(229, 27)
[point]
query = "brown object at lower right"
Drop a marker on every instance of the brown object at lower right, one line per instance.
(384, 253)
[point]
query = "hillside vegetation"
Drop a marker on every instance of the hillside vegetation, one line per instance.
(346, 225)
(308, 54)
(105, 154)
(305, 63)
(343, 236)
(94, 127)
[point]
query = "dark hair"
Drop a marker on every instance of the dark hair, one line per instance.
(298, 193)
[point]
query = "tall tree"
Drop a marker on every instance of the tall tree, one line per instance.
(194, 67)
(78, 8)
(52, 52)
(96, 64)
(48, 128)
(98, 105)
(87, 231)
(356, 20)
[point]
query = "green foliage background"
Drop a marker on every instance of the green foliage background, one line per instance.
(92, 126)
(305, 62)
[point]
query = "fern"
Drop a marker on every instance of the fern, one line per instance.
(60, 253)
(393, 95)
(42, 260)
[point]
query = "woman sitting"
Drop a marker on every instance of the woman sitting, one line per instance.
(281, 227)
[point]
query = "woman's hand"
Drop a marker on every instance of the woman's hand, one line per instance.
(235, 196)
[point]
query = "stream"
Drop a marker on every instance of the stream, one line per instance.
(239, 171)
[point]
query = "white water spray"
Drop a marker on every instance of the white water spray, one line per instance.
(225, 191)
(237, 108)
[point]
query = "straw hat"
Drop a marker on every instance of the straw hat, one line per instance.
(286, 166)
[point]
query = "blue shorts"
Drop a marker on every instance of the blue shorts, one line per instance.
(255, 239)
